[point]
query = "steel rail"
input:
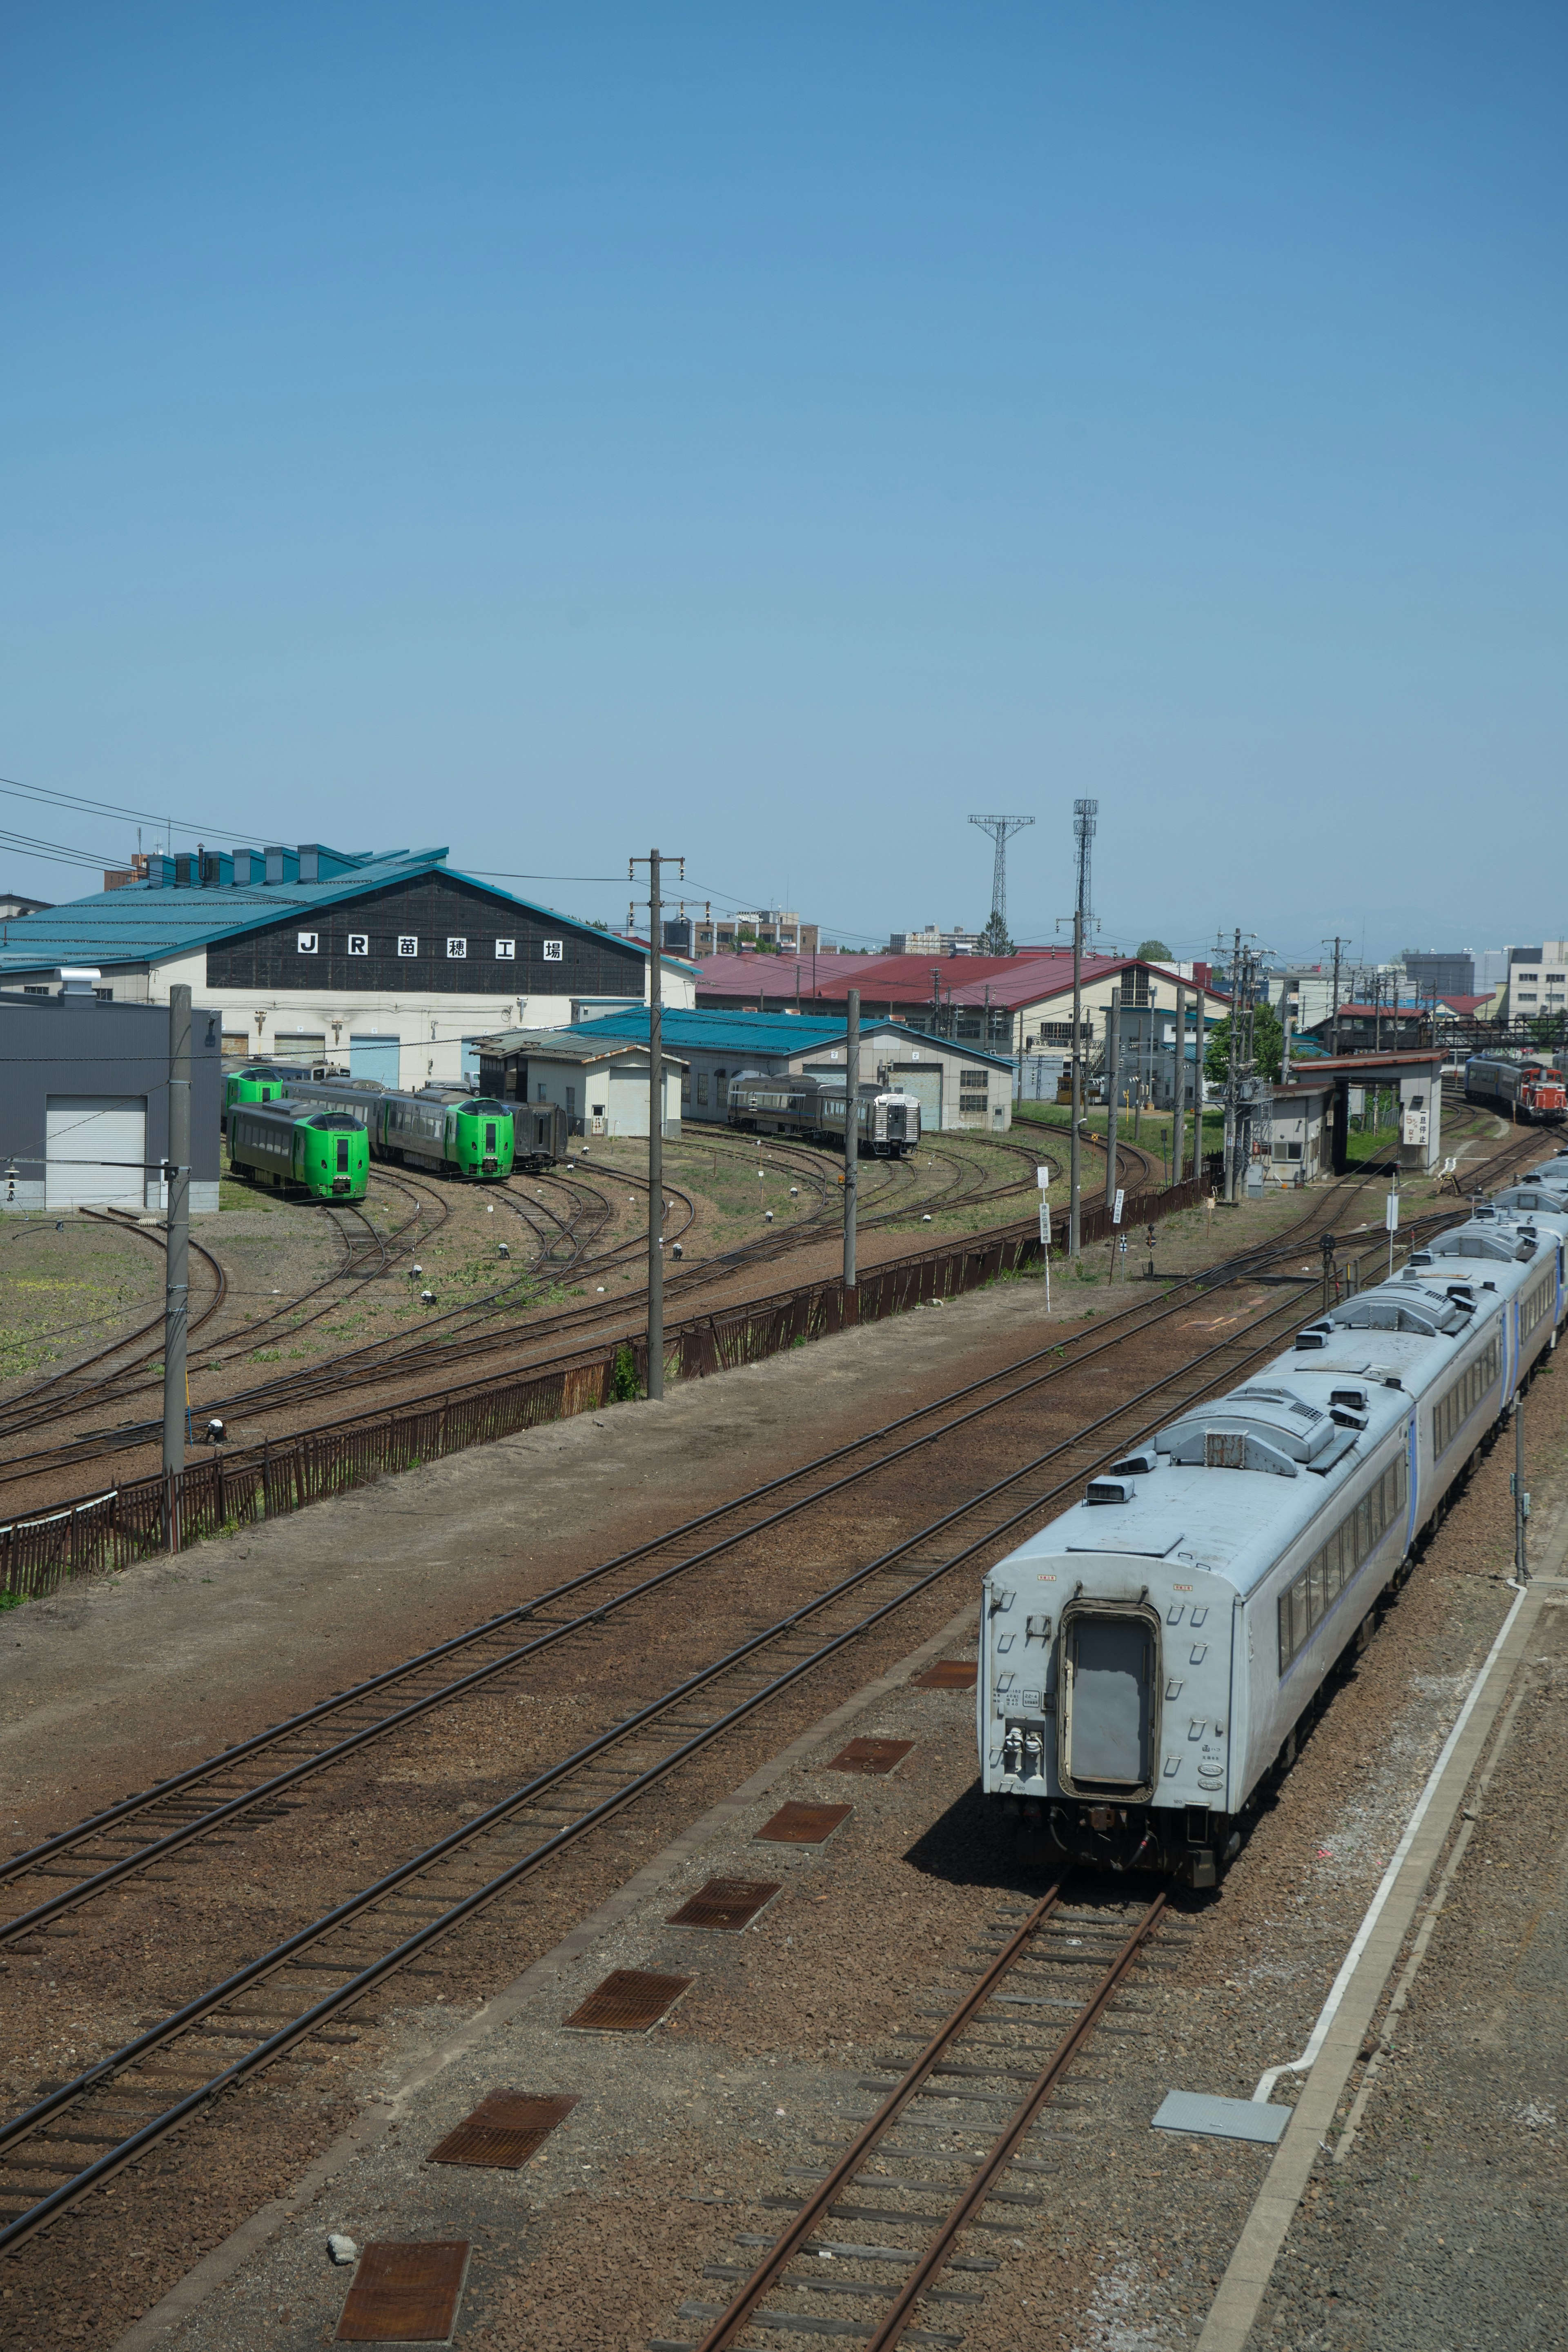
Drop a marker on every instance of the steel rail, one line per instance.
(1086, 1349)
(743, 2310)
(361, 1981)
(678, 1695)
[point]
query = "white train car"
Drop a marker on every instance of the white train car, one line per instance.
(1148, 1659)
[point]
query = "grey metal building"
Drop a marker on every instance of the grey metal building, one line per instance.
(84, 1102)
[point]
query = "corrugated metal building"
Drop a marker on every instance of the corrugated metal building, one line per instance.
(84, 1103)
(390, 965)
(958, 1085)
(600, 1080)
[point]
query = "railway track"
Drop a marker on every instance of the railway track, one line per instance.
(925, 2202)
(79, 2135)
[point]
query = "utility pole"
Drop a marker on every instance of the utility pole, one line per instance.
(1521, 1499)
(1113, 1080)
(1084, 814)
(1198, 995)
(1230, 1075)
(177, 1170)
(851, 1153)
(1334, 1029)
(1179, 1091)
(653, 862)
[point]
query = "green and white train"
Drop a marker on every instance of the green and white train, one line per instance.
(324, 1153)
(442, 1128)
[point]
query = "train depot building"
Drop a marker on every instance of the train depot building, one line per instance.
(84, 1109)
(957, 1086)
(599, 1080)
(389, 966)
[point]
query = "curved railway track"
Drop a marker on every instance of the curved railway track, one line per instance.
(79, 2135)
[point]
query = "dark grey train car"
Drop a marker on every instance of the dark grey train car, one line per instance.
(887, 1122)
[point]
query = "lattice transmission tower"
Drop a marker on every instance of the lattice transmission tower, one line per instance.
(1001, 829)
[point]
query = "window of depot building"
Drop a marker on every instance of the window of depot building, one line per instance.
(702, 1086)
(596, 1110)
(720, 1087)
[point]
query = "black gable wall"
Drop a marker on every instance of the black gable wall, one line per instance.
(357, 949)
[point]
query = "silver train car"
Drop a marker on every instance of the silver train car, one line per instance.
(887, 1122)
(1150, 1659)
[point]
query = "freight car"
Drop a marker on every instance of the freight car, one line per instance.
(888, 1123)
(457, 1134)
(1528, 1088)
(324, 1152)
(1150, 1658)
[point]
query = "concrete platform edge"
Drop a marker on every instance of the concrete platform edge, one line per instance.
(1239, 2297)
(221, 2264)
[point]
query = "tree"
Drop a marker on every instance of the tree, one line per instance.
(1548, 1029)
(1153, 951)
(1267, 1047)
(994, 940)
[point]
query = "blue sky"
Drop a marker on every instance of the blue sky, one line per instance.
(778, 433)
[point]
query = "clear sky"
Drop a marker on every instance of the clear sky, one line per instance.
(779, 433)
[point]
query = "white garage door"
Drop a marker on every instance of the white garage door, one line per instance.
(96, 1145)
(924, 1081)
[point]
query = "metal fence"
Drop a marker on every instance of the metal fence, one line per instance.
(241, 1486)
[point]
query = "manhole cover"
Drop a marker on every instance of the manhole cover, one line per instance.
(629, 2001)
(725, 1903)
(804, 1824)
(406, 2294)
(504, 2129)
(949, 1673)
(871, 1756)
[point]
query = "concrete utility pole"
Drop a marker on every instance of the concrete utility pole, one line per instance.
(1084, 814)
(1179, 1092)
(177, 1295)
(1113, 1080)
(653, 862)
(1199, 999)
(851, 1153)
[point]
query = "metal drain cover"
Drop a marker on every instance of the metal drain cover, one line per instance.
(871, 1756)
(949, 1673)
(726, 1903)
(406, 2294)
(504, 2129)
(796, 1824)
(629, 2001)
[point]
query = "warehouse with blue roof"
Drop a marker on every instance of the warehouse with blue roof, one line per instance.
(957, 1086)
(390, 964)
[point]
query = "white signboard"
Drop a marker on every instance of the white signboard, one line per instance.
(1391, 1213)
(1043, 1178)
(1116, 1211)
(1417, 1126)
(1044, 1225)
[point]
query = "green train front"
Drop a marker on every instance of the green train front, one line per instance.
(479, 1140)
(325, 1152)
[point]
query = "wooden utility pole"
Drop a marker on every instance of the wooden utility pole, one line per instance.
(653, 862)
(1083, 824)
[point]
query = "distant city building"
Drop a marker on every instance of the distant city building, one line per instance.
(761, 927)
(1305, 991)
(1431, 973)
(1538, 979)
(935, 941)
(1491, 969)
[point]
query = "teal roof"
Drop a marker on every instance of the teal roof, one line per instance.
(725, 1033)
(143, 923)
(764, 1033)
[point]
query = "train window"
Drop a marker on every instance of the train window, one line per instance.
(342, 1155)
(1310, 1595)
(490, 1136)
